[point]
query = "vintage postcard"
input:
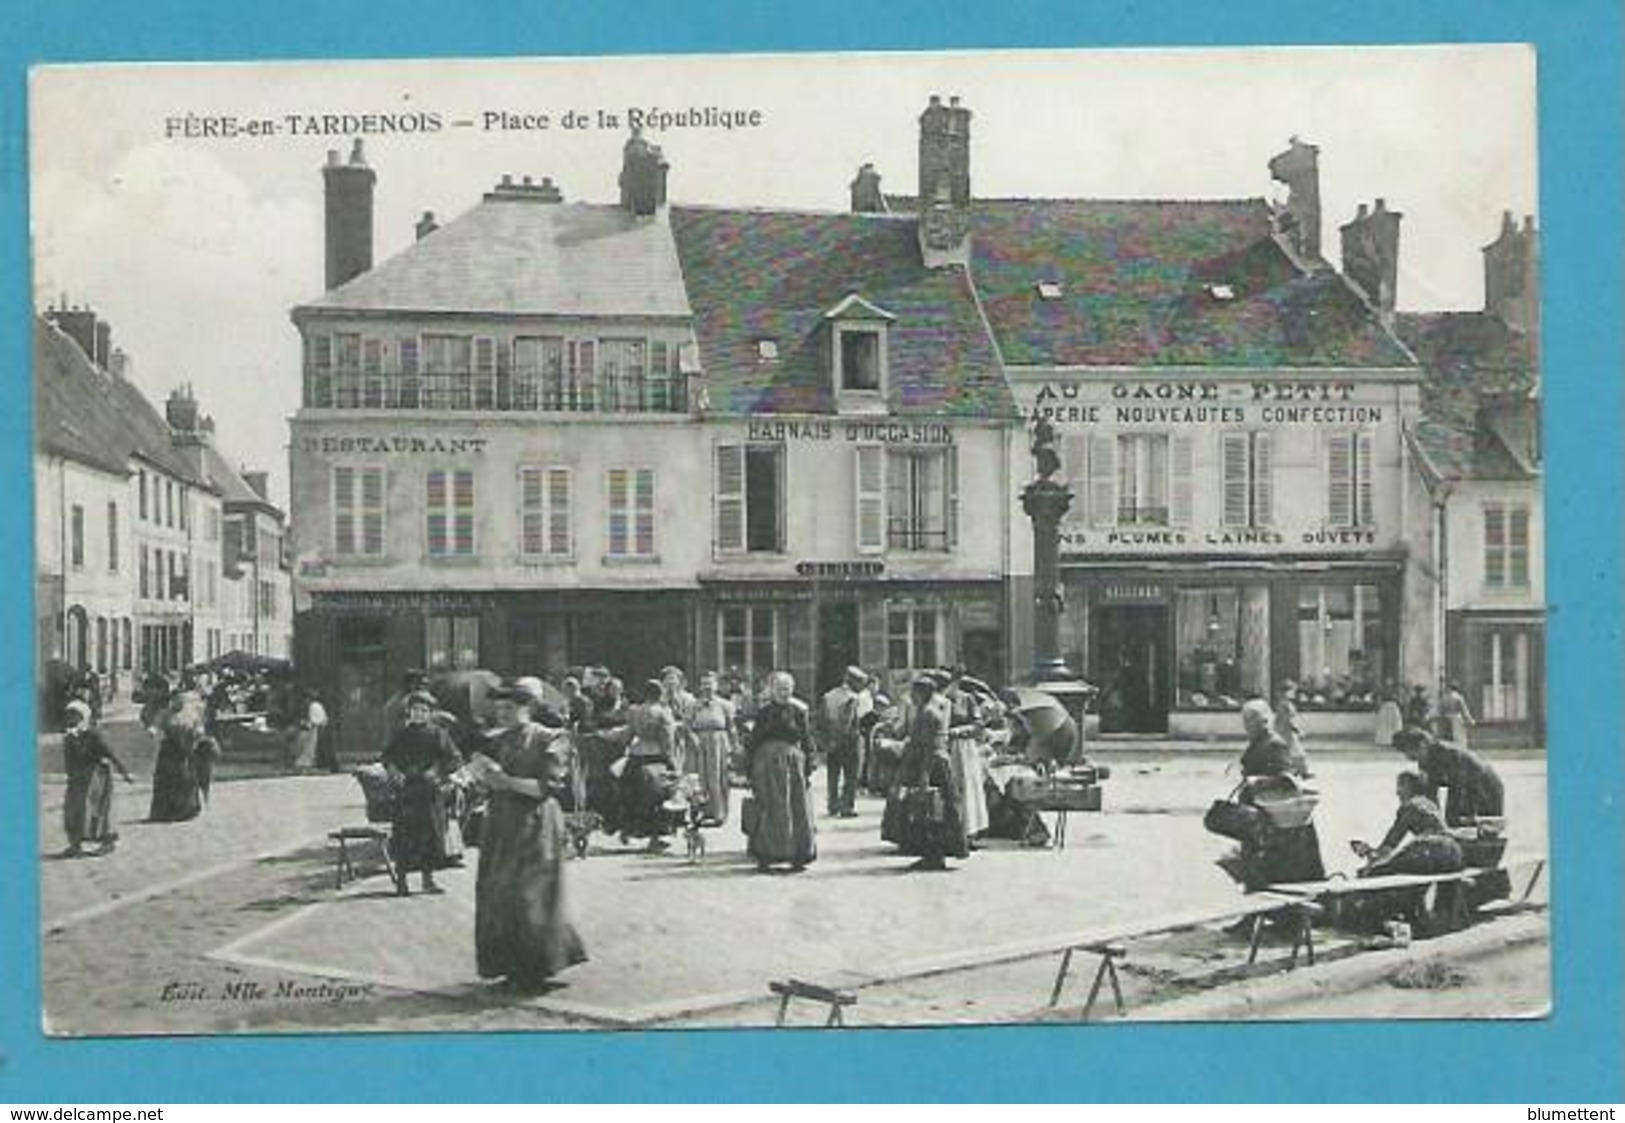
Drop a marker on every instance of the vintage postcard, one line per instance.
(849, 540)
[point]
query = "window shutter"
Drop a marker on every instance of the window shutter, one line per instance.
(1518, 547)
(730, 498)
(531, 517)
(344, 536)
(1339, 490)
(1494, 546)
(372, 504)
(559, 544)
(1181, 499)
(1362, 462)
(951, 467)
(1233, 467)
(1075, 464)
(1102, 479)
(871, 499)
(645, 498)
(1263, 481)
(619, 511)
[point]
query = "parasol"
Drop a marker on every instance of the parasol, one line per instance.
(462, 693)
(1052, 735)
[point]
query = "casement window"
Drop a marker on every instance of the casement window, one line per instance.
(907, 499)
(452, 642)
(1247, 480)
(347, 370)
(538, 372)
(129, 648)
(544, 513)
(631, 512)
(76, 536)
(581, 375)
(1348, 480)
(358, 512)
(748, 640)
(1506, 545)
(623, 369)
(914, 637)
(141, 492)
(372, 373)
(749, 498)
(411, 391)
(144, 572)
(318, 371)
(1144, 477)
(112, 537)
(860, 359)
(485, 373)
(447, 366)
(1506, 676)
(662, 394)
(169, 502)
(185, 496)
(449, 508)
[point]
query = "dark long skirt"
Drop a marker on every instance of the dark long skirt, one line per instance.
(175, 795)
(646, 785)
(926, 820)
(520, 928)
(418, 831)
(1279, 855)
(87, 808)
(784, 830)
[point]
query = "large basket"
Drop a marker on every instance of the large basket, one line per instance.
(1055, 793)
(380, 792)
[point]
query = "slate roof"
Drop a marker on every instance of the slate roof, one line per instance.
(1138, 282)
(1455, 453)
(73, 416)
(756, 275)
(526, 257)
(1464, 354)
(230, 483)
(92, 417)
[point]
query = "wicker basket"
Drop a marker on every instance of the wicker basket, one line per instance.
(1287, 812)
(380, 792)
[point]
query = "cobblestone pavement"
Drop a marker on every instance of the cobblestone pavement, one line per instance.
(231, 923)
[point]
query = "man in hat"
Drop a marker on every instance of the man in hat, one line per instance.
(841, 715)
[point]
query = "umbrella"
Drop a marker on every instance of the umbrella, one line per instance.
(1052, 735)
(463, 693)
(248, 662)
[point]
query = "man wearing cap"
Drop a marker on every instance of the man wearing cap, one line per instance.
(841, 713)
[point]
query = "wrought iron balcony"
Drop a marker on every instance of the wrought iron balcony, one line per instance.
(625, 393)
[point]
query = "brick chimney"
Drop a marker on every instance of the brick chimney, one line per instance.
(643, 176)
(1371, 255)
(348, 190)
(181, 411)
(79, 325)
(526, 191)
(866, 196)
(1512, 276)
(944, 199)
(1298, 221)
(426, 225)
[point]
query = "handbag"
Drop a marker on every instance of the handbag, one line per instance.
(1231, 819)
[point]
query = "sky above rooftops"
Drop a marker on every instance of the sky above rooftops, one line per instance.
(194, 249)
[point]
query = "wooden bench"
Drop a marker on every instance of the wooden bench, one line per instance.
(1109, 946)
(344, 867)
(836, 1000)
(1454, 902)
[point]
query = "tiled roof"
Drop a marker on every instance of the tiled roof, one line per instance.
(524, 257)
(1464, 354)
(73, 415)
(150, 435)
(1160, 283)
(755, 275)
(1456, 453)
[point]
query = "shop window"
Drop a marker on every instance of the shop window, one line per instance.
(452, 642)
(913, 637)
(631, 513)
(1247, 484)
(1340, 651)
(1207, 626)
(1506, 676)
(544, 513)
(1506, 545)
(76, 536)
(750, 498)
(449, 507)
(922, 499)
(358, 512)
(1348, 480)
(748, 640)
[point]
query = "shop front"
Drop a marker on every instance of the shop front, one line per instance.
(355, 647)
(835, 615)
(1176, 647)
(1498, 658)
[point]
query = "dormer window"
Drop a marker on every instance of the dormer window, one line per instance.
(1221, 292)
(858, 349)
(1050, 290)
(767, 350)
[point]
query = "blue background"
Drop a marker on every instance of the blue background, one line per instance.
(1574, 1056)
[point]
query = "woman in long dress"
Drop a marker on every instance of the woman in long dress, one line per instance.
(924, 815)
(521, 932)
(175, 794)
(1389, 718)
(780, 747)
(965, 754)
(713, 739)
(421, 757)
(87, 807)
(649, 777)
(676, 697)
(1288, 727)
(1454, 716)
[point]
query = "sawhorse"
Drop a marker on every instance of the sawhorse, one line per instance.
(1302, 914)
(836, 1000)
(1109, 954)
(343, 866)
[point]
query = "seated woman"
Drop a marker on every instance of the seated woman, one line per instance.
(1269, 854)
(1418, 842)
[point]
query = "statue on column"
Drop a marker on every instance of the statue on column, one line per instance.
(1046, 460)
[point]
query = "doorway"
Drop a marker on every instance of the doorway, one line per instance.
(1131, 661)
(837, 642)
(363, 686)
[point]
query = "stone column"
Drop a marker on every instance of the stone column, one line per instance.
(1255, 639)
(1046, 502)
